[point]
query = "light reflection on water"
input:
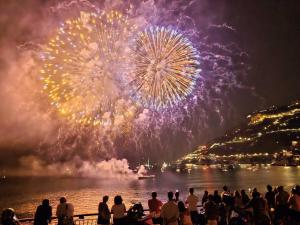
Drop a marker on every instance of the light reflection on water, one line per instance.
(24, 194)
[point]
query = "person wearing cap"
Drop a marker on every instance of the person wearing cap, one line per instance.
(8, 217)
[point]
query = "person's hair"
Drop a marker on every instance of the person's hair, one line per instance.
(170, 195)
(210, 197)
(105, 198)
(216, 192)
(177, 194)
(243, 192)
(154, 194)
(46, 202)
(206, 192)
(181, 206)
(62, 200)
(297, 190)
(255, 194)
(225, 188)
(280, 188)
(118, 200)
(237, 193)
(191, 190)
(269, 187)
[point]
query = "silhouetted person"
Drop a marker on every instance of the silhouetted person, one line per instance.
(281, 204)
(211, 211)
(43, 213)
(8, 217)
(192, 201)
(294, 205)
(205, 197)
(238, 203)
(64, 212)
(155, 208)
(270, 197)
(118, 210)
(216, 197)
(245, 197)
(294, 200)
(184, 214)
(228, 200)
(176, 197)
(260, 209)
(170, 211)
(103, 212)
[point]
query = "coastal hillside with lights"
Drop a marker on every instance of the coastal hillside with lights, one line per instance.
(267, 136)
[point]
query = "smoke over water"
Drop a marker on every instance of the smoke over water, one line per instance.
(108, 169)
(35, 136)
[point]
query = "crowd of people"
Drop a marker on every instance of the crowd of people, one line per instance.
(276, 206)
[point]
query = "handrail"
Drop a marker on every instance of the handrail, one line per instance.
(80, 216)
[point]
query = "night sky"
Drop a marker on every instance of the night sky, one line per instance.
(269, 31)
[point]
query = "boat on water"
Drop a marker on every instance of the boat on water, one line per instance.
(144, 177)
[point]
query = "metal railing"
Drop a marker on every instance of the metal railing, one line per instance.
(79, 219)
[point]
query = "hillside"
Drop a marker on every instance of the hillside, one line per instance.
(265, 131)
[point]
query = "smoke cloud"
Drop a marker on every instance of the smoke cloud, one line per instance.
(109, 169)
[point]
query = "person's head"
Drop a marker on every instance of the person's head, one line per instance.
(293, 191)
(62, 200)
(269, 187)
(280, 189)
(206, 192)
(154, 195)
(8, 215)
(236, 193)
(46, 202)
(170, 195)
(216, 192)
(225, 188)
(118, 200)
(105, 198)
(243, 192)
(191, 191)
(181, 206)
(210, 198)
(177, 194)
(255, 194)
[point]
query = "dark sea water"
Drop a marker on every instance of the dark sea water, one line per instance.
(24, 194)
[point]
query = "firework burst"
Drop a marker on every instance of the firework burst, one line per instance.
(166, 67)
(84, 65)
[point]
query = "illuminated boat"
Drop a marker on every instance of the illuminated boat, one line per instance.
(144, 177)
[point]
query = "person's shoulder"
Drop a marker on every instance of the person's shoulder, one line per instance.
(164, 205)
(195, 197)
